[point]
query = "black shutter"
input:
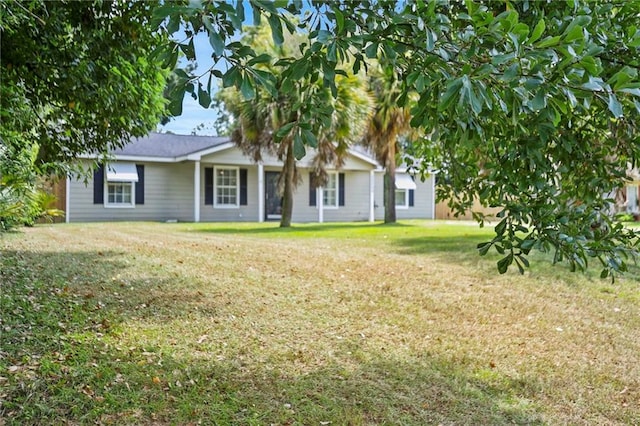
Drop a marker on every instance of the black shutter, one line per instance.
(243, 187)
(411, 191)
(341, 189)
(208, 185)
(98, 185)
(312, 190)
(140, 184)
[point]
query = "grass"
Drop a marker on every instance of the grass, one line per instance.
(334, 324)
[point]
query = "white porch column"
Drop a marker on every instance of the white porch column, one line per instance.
(260, 192)
(67, 194)
(320, 204)
(372, 196)
(196, 191)
(632, 198)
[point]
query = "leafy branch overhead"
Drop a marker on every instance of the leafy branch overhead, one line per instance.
(530, 106)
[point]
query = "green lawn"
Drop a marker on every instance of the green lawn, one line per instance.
(333, 324)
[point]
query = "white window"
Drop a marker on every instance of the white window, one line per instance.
(402, 198)
(404, 183)
(119, 187)
(119, 192)
(330, 191)
(226, 187)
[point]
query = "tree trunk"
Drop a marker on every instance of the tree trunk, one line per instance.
(390, 187)
(288, 171)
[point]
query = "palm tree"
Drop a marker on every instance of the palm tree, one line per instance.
(272, 123)
(387, 125)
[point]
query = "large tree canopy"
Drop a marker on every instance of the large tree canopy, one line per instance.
(531, 106)
(77, 76)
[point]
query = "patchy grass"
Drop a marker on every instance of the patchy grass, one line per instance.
(341, 324)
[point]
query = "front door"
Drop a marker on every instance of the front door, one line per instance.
(272, 200)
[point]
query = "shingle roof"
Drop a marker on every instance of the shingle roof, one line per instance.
(167, 145)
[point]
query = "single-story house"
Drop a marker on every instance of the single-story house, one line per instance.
(166, 177)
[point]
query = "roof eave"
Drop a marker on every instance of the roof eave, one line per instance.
(197, 156)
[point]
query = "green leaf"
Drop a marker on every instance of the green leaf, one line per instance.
(501, 227)
(537, 32)
(284, 130)
(527, 244)
(174, 24)
(614, 106)
(590, 65)
(548, 42)
(604, 273)
(501, 59)
(189, 50)
(260, 59)
(331, 52)
(519, 265)
(483, 248)
(257, 15)
(431, 40)
(339, 19)
(240, 10)
(175, 100)
(309, 138)
(298, 146)
(276, 29)
(230, 78)
(503, 264)
(539, 101)
(575, 33)
(236, 22)
(453, 88)
(372, 51)
(247, 89)
(217, 43)
(203, 97)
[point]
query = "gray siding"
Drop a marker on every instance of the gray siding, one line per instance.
(423, 200)
(168, 195)
(248, 213)
(356, 199)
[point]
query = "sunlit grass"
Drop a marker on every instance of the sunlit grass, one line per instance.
(342, 323)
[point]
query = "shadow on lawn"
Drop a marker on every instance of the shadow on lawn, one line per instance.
(436, 244)
(388, 391)
(299, 228)
(58, 305)
(96, 280)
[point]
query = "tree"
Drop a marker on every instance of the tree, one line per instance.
(531, 106)
(388, 123)
(77, 77)
(276, 121)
